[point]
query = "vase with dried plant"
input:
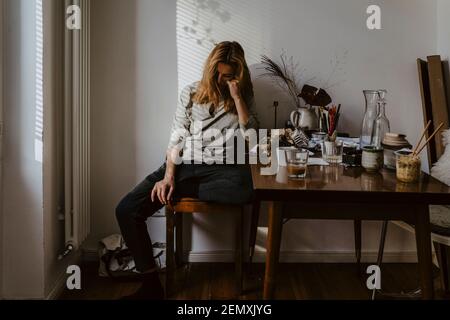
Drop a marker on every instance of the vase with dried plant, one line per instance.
(285, 76)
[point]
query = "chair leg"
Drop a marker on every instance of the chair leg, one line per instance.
(170, 263)
(179, 239)
(238, 250)
(253, 229)
(381, 249)
(443, 253)
(357, 230)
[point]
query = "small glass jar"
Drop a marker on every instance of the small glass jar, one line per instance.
(408, 167)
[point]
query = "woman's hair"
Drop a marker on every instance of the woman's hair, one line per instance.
(232, 54)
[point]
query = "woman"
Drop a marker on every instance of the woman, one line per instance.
(222, 102)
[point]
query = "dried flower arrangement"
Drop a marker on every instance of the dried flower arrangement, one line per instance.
(284, 74)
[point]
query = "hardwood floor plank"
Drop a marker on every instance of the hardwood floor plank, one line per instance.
(202, 281)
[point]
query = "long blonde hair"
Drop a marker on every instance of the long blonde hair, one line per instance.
(232, 54)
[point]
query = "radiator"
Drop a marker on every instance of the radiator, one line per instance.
(77, 128)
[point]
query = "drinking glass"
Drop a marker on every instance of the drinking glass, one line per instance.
(332, 151)
(297, 163)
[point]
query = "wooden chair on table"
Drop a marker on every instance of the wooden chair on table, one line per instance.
(435, 109)
(174, 234)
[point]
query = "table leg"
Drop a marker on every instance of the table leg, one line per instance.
(273, 248)
(253, 229)
(423, 241)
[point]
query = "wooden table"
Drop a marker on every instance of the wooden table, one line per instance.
(339, 193)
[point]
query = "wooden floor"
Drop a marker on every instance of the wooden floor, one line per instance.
(295, 281)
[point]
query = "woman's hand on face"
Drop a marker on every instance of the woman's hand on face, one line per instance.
(163, 190)
(235, 91)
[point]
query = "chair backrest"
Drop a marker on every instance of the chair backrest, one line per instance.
(434, 102)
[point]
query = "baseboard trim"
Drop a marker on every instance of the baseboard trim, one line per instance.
(289, 256)
(308, 257)
(344, 257)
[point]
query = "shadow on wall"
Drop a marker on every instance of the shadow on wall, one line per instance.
(203, 23)
(200, 26)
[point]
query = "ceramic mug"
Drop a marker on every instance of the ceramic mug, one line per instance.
(372, 158)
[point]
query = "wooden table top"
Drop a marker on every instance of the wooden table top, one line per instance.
(340, 183)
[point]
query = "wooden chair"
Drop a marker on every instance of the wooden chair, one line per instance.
(174, 233)
(435, 108)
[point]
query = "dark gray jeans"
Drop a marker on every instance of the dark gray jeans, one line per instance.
(215, 183)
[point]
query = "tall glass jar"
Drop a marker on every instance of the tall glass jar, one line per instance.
(382, 125)
(370, 115)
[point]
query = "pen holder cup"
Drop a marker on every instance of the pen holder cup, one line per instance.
(408, 167)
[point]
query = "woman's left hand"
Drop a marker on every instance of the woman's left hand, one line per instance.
(235, 91)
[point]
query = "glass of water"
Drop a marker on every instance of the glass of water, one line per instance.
(297, 163)
(332, 151)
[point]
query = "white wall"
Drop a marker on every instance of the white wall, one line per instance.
(443, 32)
(1, 145)
(23, 251)
(443, 27)
(138, 45)
(134, 85)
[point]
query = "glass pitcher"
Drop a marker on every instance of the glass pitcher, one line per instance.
(370, 115)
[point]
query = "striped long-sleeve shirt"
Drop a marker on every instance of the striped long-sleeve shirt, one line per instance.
(204, 137)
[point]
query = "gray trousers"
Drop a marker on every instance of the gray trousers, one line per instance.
(231, 184)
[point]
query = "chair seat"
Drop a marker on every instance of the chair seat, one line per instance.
(189, 205)
(186, 200)
(440, 220)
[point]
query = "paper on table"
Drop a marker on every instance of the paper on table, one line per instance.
(350, 141)
(317, 162)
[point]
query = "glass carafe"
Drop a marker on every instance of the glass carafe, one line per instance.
(382, 125)
(370, 115)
